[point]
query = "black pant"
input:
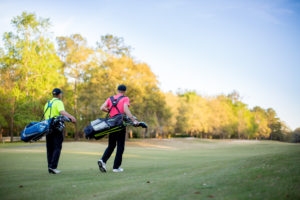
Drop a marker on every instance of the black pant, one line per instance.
(117, 138)
(54, 144)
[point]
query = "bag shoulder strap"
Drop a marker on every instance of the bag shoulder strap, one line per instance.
(114, 104)
(49, 105)
(45, 111)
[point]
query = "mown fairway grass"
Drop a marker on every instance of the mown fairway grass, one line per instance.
(155, 169)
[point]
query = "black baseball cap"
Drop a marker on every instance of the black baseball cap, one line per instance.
(122, 88)
(56, 91)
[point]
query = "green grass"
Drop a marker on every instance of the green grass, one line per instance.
(155, 169)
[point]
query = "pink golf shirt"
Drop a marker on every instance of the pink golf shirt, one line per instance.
(114, 111)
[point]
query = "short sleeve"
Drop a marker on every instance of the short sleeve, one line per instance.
(60, 106)
(108, 102)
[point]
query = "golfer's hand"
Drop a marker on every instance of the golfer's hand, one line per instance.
(135, 123)
(73, 119)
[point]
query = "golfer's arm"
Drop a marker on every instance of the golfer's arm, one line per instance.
(64, 113)
(104, 107)
(127, 112)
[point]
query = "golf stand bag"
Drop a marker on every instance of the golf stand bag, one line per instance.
(101, 127)
(36, 130)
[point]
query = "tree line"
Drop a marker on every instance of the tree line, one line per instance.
(32, 63)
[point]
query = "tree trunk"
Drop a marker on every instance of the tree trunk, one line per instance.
(65, 132)
(25, 64)
(75, 109)
(126, 136)
(1, 131)
(12, 123)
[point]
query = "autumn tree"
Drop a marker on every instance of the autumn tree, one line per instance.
(262, 129)
(147, 101)
(113, 46)
(75, 55)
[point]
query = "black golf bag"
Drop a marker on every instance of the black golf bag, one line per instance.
(101, 127)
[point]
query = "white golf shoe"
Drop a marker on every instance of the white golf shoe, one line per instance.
(102, 166)
(118, 170)
(54, 171)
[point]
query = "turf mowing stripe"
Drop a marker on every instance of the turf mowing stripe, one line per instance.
(68, 152)
(153, 145)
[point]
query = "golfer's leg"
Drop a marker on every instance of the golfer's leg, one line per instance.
(58, 140)
(120, 148)
(111, 146)
(50, 147)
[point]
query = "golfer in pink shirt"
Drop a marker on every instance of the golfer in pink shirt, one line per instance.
(117, 138)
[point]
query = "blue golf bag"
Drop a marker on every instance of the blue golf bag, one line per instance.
(36, 130)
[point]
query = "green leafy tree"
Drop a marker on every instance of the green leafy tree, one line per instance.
(296, 135)
(29, 70)
(274, 124)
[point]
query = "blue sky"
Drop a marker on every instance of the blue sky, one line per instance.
(213, 47)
